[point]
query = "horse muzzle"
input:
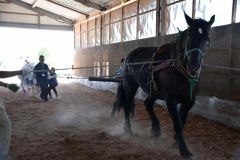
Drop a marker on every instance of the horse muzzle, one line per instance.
(194, 72)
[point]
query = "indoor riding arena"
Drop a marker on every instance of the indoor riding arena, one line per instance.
(119, 79)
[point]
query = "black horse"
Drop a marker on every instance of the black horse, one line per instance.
(171, 73)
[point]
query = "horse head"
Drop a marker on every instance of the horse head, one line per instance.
(196, 40)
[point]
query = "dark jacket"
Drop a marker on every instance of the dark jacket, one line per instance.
(43, 75)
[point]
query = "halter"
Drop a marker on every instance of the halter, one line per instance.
(182, 50)
(192, 80)
(193, 50)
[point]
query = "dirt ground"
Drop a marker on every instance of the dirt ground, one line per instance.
(77, 126)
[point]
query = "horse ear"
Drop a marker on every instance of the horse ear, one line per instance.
(189, 20)
(211, 21)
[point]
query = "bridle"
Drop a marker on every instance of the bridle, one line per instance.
(183, 53)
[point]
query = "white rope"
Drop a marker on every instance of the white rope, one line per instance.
(222, 67)
(132, 64)
(114, 65)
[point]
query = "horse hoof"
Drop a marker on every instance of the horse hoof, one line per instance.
(128, 131)
(187, 158)
(156, 133)
(175, 145)
(188, 155)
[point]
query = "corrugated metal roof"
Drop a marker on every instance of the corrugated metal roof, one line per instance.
(75, 5)
(72, 9)
(64, 12)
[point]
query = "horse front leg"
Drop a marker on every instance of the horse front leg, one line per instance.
(178, 127)
(184, 110)
(149, 104)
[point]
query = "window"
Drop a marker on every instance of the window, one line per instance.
(147, 25)
(222, 10)
(116, 26)
(91, 33)
(77, 36)
(147, 19)
(105, 68)
(84, 35)
(97, 69)
(105, 29)
(174, 15)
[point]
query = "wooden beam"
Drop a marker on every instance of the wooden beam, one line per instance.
(234, 10)
(169, 4)
(163, 18)
(42, 11)
(35, 3)
(91, 4)
(193, 9)
(65, 6)
(4, 1)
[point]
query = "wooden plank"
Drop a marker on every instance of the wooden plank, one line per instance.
(103, 79)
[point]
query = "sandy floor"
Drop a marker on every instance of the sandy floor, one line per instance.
(77, 126)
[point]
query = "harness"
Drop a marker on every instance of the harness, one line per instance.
(176, 62)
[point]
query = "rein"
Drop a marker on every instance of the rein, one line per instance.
(195, 49)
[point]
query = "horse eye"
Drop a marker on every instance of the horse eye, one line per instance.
(208, 42)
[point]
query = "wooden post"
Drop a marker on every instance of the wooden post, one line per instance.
(158, 18)
(193, 9)
(109, 23)
(163, 9)
(234, 10)
(87, 34)
(137, 18)
(122, 23)
(101, 28)
(80, 46)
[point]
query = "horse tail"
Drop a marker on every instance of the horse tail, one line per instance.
(119, 101)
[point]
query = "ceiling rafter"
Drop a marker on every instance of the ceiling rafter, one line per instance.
(43, 12)
(35, 3)
(91, 4)
(4, 1)
(65, 6)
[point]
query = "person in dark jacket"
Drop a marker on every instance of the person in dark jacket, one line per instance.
(41, 71)
(52, 82)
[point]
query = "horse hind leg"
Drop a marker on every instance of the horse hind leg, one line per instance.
(130, 88)
(149, 104)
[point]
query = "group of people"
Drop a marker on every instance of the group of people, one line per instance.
(40, 76)
(45, 81)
